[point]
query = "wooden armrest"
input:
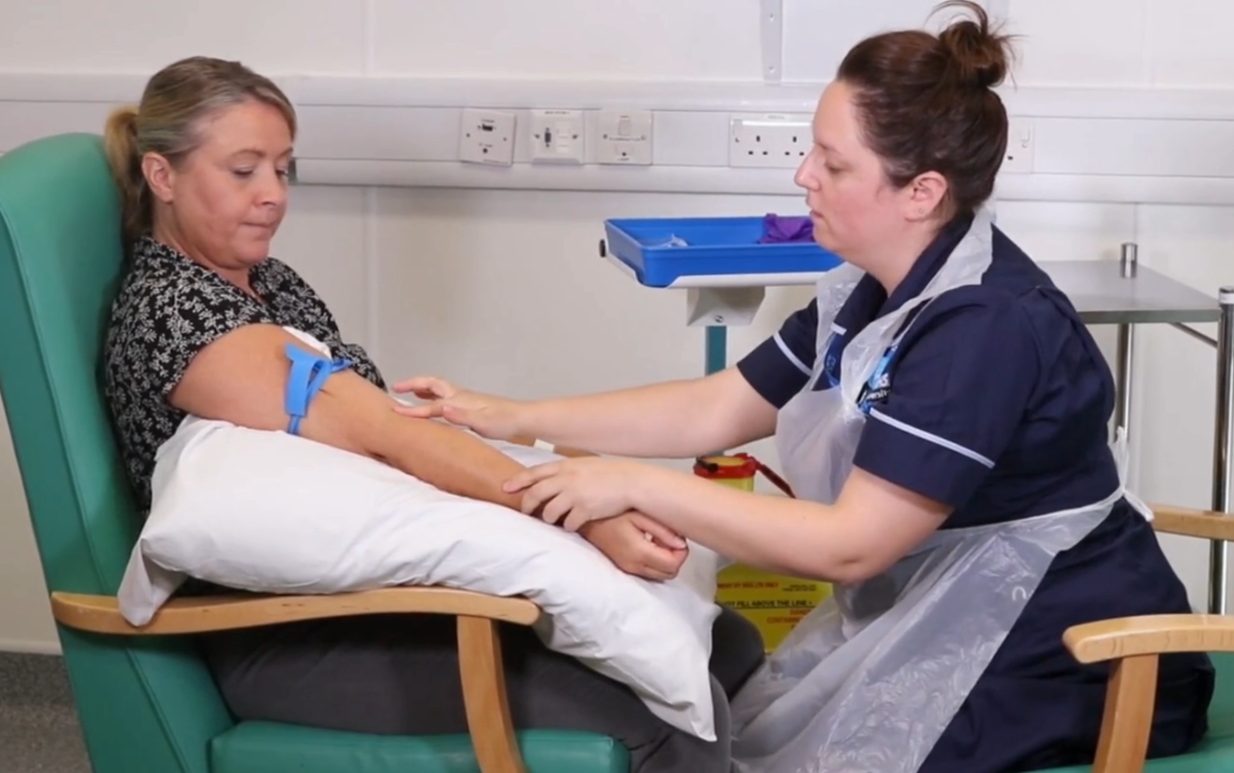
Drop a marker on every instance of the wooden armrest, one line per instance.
(479, 646)
(199, 614)
(1135, 644)
(1193, 523)
(1127, 637)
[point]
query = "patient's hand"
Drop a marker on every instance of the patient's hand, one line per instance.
(624, 540)
(486, 415)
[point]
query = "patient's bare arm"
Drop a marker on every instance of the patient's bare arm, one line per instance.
(242, 377)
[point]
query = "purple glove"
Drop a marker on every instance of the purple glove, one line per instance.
(786, 229)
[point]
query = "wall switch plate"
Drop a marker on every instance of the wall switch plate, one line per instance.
(486, 137)
(623, 137)
(556, 136)
(772, 140)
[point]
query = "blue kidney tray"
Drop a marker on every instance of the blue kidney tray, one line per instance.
(660, 251)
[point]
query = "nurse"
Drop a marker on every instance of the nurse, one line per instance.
(942, 413)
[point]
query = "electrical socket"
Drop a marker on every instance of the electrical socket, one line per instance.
(623, 137)
(1021, 134)
(486, 137)
(771, 140)
(556, 136)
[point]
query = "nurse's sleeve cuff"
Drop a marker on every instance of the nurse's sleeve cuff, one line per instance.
(774, 371)
(920, 461)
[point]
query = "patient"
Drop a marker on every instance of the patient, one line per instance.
(197, 328)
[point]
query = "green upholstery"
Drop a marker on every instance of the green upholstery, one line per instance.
(145, 704)
(258, 747)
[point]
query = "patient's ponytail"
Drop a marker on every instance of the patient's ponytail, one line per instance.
(120, 144)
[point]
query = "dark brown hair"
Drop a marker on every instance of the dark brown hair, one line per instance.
(174, 103)
(925, 103)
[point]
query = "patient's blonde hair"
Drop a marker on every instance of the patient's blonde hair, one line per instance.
(173, 105)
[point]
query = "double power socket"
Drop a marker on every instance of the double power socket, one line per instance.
(777, 140)
(783, 140)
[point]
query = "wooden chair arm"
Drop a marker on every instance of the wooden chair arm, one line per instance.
(479, 645)
(1126, 637)
(201, 614)
(1193, 523)
(1135, 645)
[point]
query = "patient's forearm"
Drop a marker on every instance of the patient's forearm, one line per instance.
(436, 453)
(242, 378)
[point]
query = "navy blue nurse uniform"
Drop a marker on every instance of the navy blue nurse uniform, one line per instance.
(996, 402)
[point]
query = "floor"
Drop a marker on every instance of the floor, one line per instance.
(38, 725)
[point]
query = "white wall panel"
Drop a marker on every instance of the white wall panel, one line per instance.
(123, 35)
(706, 39)
(1189, 43)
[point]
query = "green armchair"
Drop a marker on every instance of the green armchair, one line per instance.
(144, 697)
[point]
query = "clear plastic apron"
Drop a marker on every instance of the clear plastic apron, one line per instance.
(868, 682)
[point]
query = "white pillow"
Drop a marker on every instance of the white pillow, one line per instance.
(274, 513)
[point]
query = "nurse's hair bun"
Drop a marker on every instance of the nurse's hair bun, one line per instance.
(977, 56)
(924, 103)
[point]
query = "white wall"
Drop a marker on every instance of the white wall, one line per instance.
(503, 290)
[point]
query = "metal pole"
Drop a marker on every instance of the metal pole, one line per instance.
(1223, 449)
(717, 349)
(1128, 261)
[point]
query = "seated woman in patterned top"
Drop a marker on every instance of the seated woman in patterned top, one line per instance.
(198, 328)
(198, 324)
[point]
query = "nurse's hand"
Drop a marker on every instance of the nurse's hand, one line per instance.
(486, 415)
(638, 545)
(574, 492)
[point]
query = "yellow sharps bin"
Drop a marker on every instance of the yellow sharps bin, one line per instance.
(773, 602)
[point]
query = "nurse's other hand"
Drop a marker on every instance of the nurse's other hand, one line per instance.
(487, 415)
(573, 492)
(638, 545)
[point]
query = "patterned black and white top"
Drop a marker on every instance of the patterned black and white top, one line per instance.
(168, 309)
